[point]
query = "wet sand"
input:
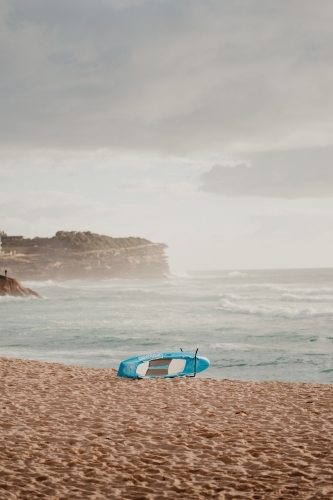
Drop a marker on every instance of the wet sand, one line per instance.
(82, 433)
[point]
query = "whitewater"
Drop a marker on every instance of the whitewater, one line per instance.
(252, 325)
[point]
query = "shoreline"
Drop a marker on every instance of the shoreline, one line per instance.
(77, 432)
(201, 375)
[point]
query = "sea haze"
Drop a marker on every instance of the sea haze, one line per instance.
(252, 325)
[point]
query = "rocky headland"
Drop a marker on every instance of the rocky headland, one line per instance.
(82, 255)
(10, 286)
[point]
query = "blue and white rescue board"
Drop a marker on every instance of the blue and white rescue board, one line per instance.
(163, 364)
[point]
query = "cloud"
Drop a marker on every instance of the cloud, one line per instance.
(155, 187)
(291, 174)
(5, 176)
(41, 159)
(43, 213)
(36, 205)
(177, 77)
(320, 212)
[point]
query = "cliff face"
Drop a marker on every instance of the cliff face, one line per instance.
(9, 286)
(72, 255)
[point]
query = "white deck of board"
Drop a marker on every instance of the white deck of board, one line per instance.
(176, 366)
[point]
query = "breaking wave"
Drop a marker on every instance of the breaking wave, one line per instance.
(290, 297)
(236, 274)
(9, 298)
(279, 288)
(273, 310)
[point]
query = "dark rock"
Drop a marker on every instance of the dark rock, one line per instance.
(10, 286)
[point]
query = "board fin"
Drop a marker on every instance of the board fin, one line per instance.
(195, 363)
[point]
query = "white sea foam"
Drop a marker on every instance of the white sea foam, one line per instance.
(45, 284)
(288, 289)
(231, 296)
(290, 297)
(236, 274)
(273, 311)
(178, 274)
(10, 298)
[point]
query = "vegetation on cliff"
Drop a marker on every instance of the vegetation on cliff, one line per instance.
(70, 240)
(82, 255)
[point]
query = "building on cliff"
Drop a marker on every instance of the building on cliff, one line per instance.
(6, 240)
(83, 255)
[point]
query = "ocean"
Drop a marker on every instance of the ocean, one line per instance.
(252, 325)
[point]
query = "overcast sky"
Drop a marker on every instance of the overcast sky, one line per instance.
(204, 124)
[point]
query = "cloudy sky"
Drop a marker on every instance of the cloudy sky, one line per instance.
(204, 124)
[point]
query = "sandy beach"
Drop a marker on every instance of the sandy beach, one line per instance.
(70, 432)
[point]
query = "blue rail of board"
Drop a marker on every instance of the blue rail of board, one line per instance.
(163, 365)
